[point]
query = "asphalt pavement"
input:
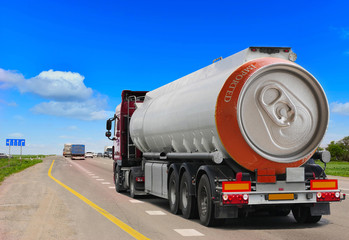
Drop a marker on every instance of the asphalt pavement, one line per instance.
(65, 199)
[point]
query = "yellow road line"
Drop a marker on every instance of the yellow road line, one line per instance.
(106, 214)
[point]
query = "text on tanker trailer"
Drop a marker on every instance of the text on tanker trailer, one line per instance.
(232, 138)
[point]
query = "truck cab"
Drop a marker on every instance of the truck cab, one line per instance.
(127, 158)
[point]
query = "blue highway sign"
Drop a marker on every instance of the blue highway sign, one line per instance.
(15, 142)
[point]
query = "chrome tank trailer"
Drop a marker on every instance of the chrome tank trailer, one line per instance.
(257, 108)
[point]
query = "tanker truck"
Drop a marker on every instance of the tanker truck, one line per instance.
(234, 138)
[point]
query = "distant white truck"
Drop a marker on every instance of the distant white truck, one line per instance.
(67, 150)
(108, 151)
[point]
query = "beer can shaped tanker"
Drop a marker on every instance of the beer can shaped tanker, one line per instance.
(259, 110)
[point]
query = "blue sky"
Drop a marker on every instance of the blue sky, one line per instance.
(63, 64)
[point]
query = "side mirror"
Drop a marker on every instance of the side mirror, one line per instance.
(323, 156)
(108, 134)
(108, 126)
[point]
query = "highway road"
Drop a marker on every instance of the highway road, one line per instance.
(65, 199)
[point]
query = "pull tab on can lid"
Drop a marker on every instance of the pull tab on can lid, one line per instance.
(282, 112)
(279, 107)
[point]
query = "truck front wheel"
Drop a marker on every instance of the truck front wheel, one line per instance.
(117, 180)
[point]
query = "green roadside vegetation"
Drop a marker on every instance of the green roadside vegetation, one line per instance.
(339, 150)
(336, 168)
(15, 164)
(339, 165)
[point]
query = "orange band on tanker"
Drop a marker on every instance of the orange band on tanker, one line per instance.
(227, 122)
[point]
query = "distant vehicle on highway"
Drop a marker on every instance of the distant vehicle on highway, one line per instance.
(67, 150)
(3, 155)
(108, 151)
(78, 151)
(94, 154)
(89, 155)
(99, 155)
(108, 154)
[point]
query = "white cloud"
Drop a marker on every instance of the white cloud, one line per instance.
(9, 78)
(65, 137)
(340, 108)
(52, 85)
(87, 110)
(16, 135)
(331, 136)
(72, 127)
(10, 104)
(18, 117)
(67, 94)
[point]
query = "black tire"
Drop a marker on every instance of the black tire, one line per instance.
(205, 204)
(313, 219)
(279, 212)
(187, 202)
(132, 186)
(173, 195)
(117, 180)
(302, 215)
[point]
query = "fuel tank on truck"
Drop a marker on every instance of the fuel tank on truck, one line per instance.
(256, 107)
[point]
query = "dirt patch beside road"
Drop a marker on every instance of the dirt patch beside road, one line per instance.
(31, 207)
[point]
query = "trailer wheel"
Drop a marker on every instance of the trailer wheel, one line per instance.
(132, 186)
(187, 202)
(205, 204)
(173, 196)
(279, 212)
(313, 219)
(302, 215)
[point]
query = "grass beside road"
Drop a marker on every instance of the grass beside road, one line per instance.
(336, 168)
(14, 164)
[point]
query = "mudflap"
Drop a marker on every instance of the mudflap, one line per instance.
(226, 211)
(320, 209)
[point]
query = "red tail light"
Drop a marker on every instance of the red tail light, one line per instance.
(328, 196)
(139, 179)
(235, 198)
